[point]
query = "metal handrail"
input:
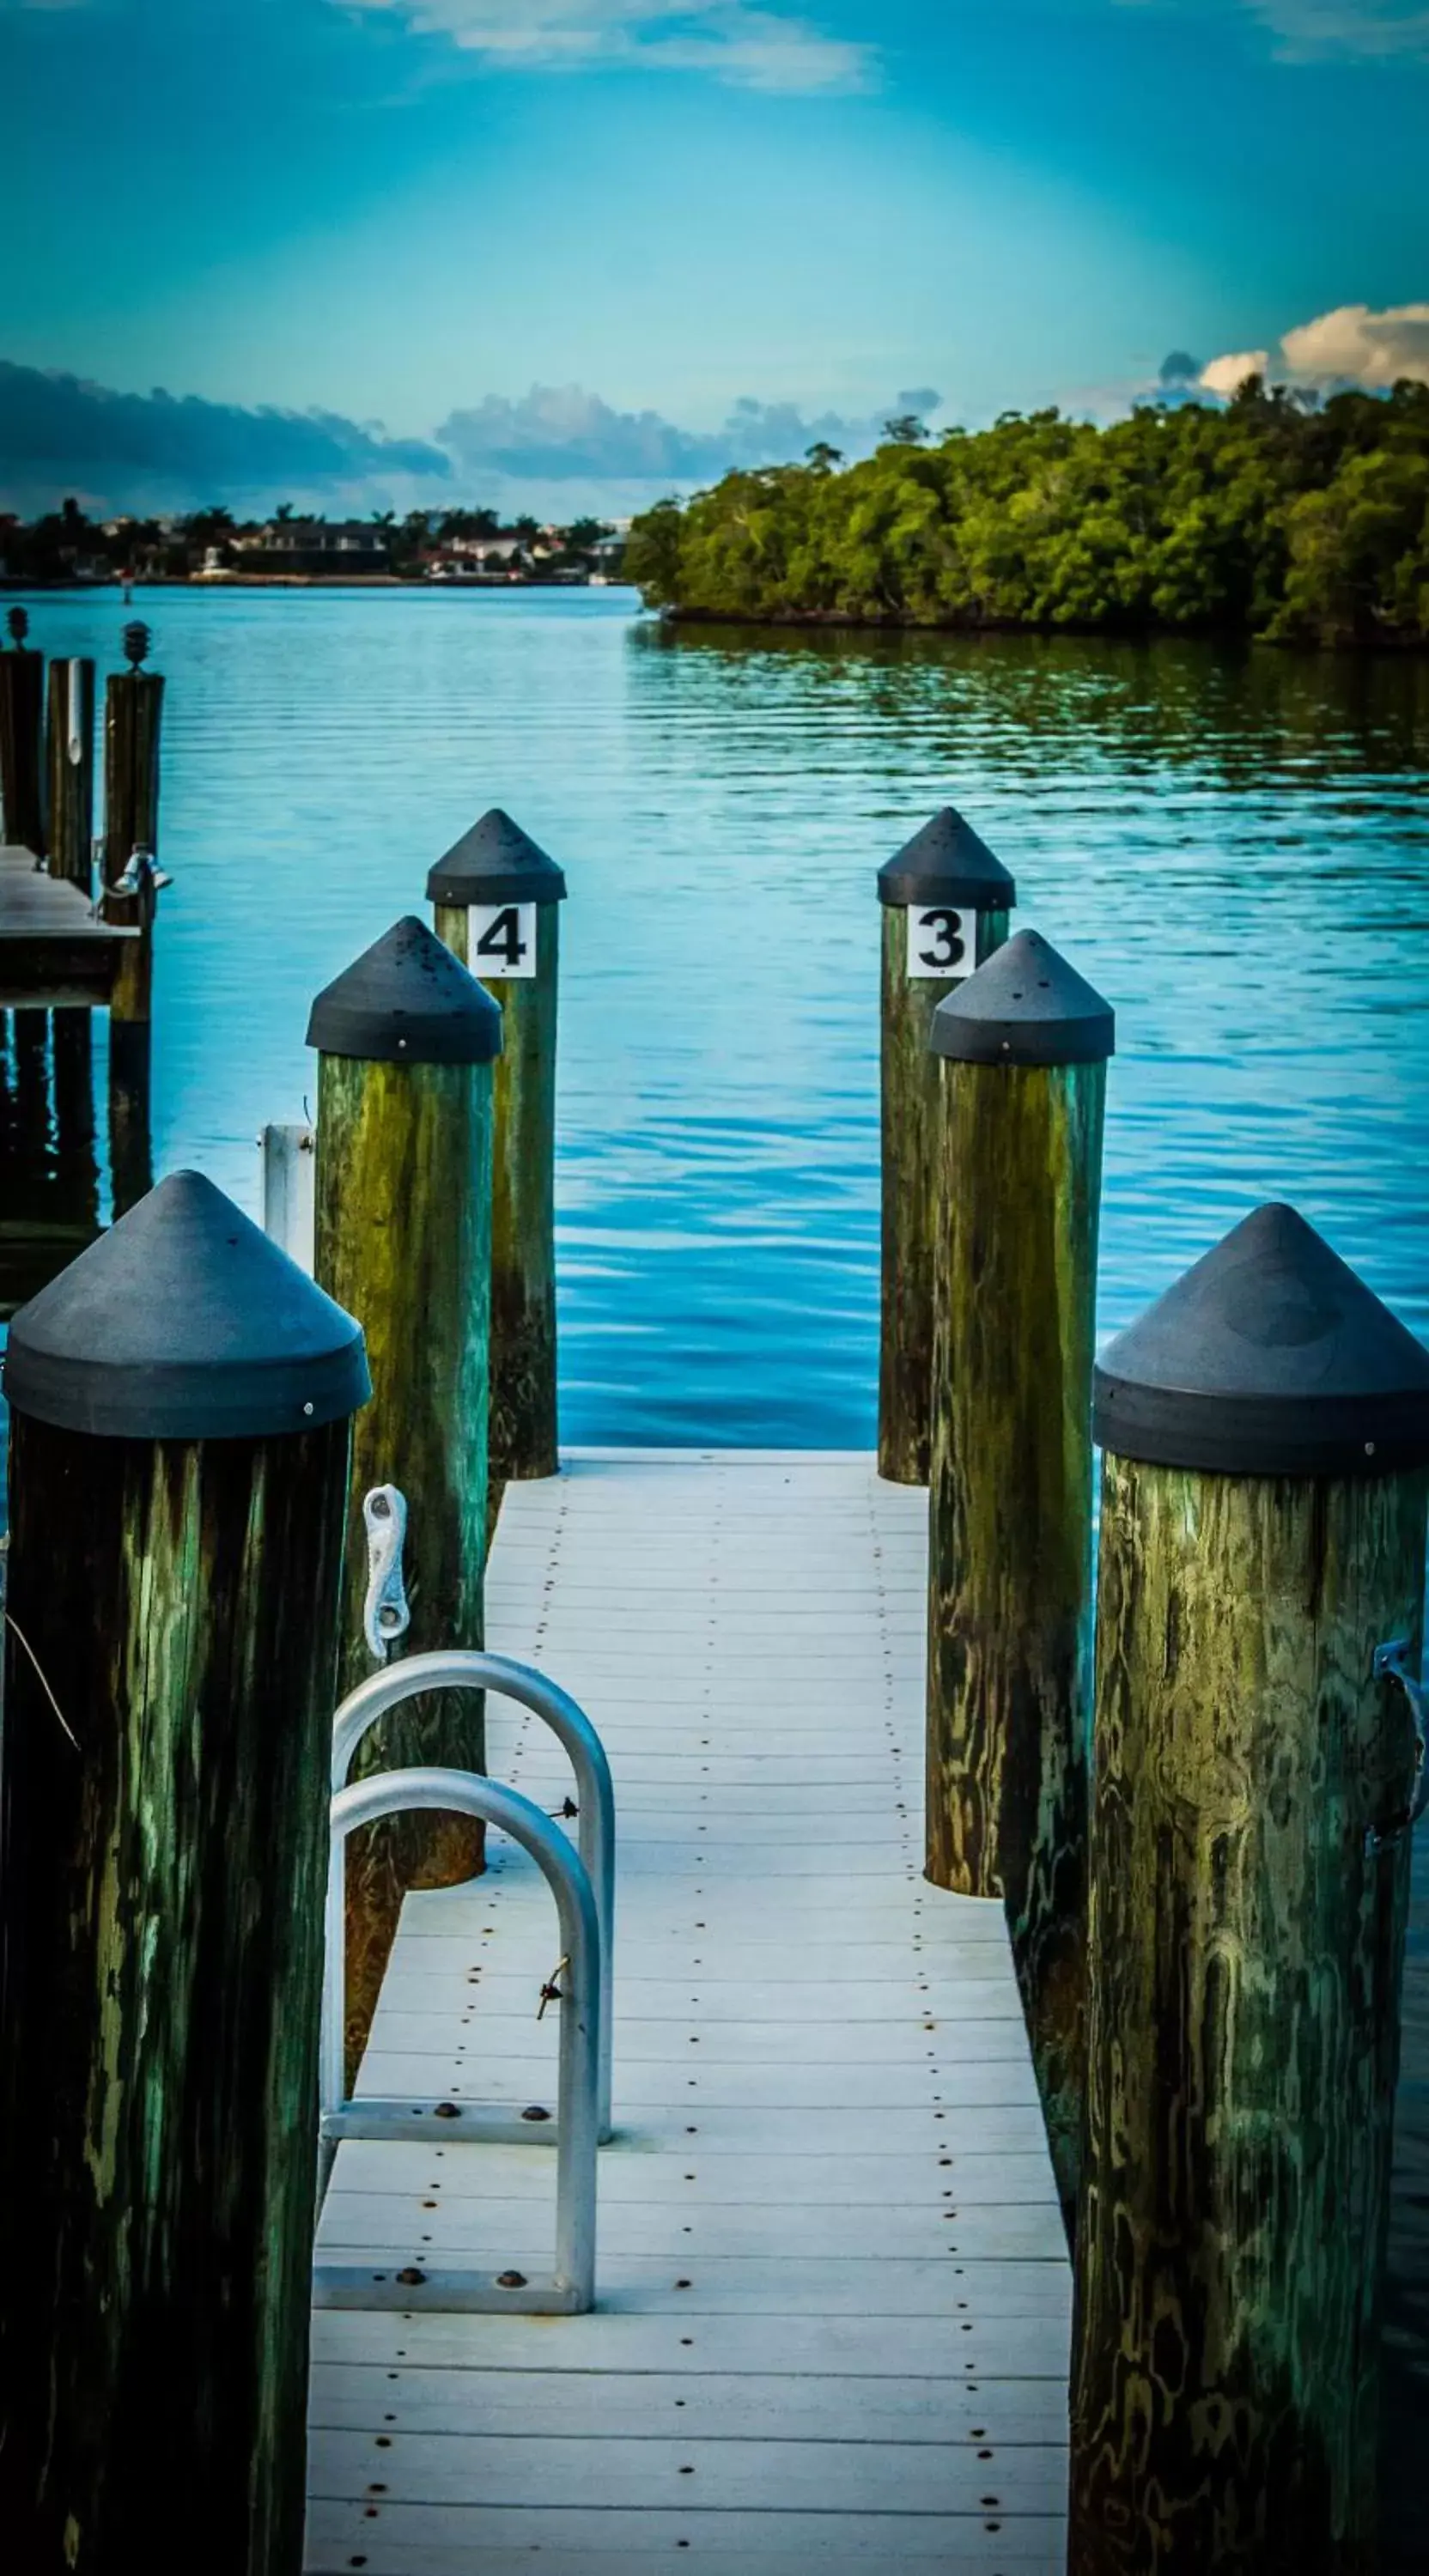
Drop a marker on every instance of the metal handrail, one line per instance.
(571, 2289)
(462, 1667)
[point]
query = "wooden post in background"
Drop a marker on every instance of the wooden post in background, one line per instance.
(71, 772)
(22, 740)
(133, 708)
(1266, 1428)
(945, 901)
(71, 856)
(289, 1193)
(178, 1482)
(495, 896)
(407, 1041)
(1021, 1051)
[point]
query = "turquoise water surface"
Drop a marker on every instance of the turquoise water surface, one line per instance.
(1233, 846)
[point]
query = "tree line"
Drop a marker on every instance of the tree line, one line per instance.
(1281, 515)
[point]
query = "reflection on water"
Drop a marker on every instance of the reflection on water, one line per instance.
(1233, 844)
(49, 1170)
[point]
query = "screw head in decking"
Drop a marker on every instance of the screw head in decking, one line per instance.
(946, 862)
(495, 862)
(184, 1322)
(1024, 1005)
(1268, 1357)
(407, 1000)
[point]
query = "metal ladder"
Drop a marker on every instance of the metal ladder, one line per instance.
(583, 1885)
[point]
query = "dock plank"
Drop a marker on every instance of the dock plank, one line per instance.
(834, 2293)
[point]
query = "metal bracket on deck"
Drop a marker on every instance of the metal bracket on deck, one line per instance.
(1391, 1664)
(461, 1668)
(569, 2288)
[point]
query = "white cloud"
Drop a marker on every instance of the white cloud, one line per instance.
(739, 43)
(1367, 348)
(1223, 375)
(1353, 345)
(1310, 30)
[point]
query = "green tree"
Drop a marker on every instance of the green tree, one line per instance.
(1272, 515)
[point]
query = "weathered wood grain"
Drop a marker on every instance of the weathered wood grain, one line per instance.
(163, 1855)
(909, 1101)
(1243, 2024)
(1017, 1177)
(523, 1257)
(403, 1243)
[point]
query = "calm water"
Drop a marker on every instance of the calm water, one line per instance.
(1234, 847)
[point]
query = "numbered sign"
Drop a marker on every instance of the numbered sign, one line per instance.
(501, 939)
(941, 942)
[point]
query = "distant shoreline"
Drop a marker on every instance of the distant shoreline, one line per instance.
(293, 581)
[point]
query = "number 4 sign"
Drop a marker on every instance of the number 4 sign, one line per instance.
(941, 942)
(501, 939)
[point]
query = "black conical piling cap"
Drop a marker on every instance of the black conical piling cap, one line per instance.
(495, 862)
(1025, 1005)
(947, 863)
(1268, 1358)
(184, 1323)
(407, 1000)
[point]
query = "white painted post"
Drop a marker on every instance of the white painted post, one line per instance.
(288, 1168)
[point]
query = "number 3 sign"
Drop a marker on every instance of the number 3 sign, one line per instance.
(941, 942)
(501, 939)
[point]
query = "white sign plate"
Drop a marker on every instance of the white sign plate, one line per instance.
(501, 940)
(942, 942)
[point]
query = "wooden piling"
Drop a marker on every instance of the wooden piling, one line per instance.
(1020, 1052)
(71, 772)
(945, 901)
(133, 713)
(495, 896)
(22, 739)
(133, 709)
(1266, 1428)
(407, 1041)
(180, 1400)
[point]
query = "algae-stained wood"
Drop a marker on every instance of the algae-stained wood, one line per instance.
(403, 1243)
(163, 1861)
(1017, 1178)
(1246, 1956)
(523, 1261)
(909, 1099)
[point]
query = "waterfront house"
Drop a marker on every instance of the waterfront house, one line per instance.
(314, 549)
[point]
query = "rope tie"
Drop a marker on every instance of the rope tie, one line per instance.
(553, 1992)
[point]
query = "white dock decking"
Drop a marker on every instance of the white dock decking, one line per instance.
(832, 2330)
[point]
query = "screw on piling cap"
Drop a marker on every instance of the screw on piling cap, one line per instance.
(495, 862)
(947, 863)
(1268, 1357)
(184, 1322)
(407, 1000)
(1026, 1005)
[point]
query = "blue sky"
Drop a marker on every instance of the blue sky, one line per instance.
(413, 212)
